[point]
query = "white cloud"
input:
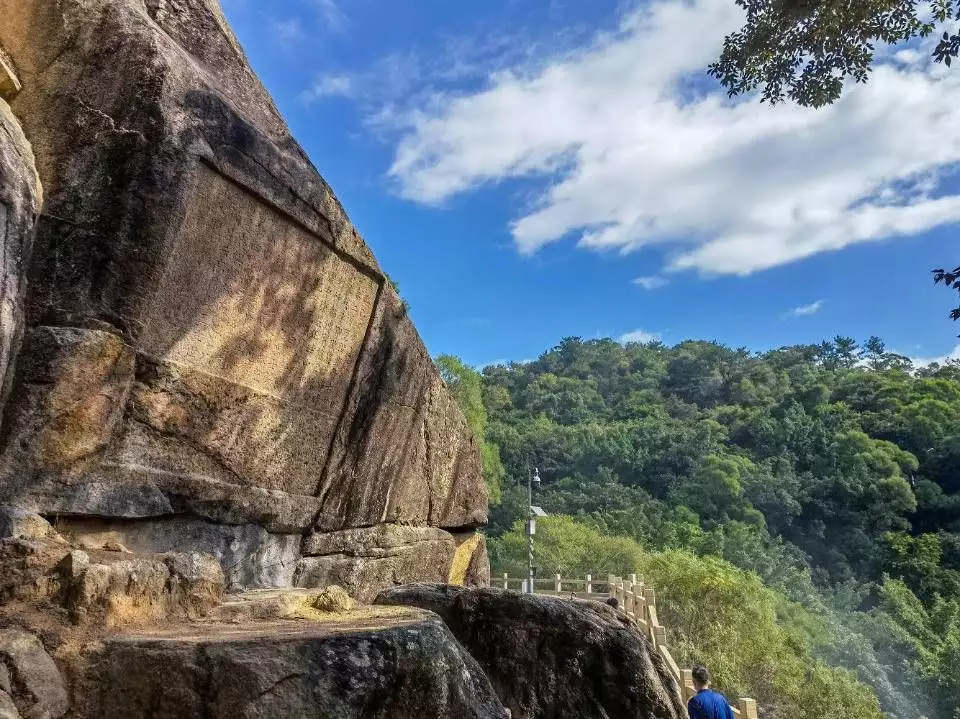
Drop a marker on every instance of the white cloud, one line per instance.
(501, 363)
(653, 282)
(924, 361)
(287, 30)
(333, 16)
(639, 336)
(806, 310)
(633, 148)
(327, 86)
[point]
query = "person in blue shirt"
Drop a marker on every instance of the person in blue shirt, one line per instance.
(706, 703)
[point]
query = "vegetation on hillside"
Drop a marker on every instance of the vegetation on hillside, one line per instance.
(817, 486)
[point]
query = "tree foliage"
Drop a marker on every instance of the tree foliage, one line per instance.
(825, 471)
(466, 385)
(756, 641)
(951, 280)
(805, 50)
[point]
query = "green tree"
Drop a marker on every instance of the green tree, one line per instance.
(758, 643)
(950, 279)
(565, 546)
(927, 636)
(805, 50)
(755, 640)
(466, 385)
(821, 469)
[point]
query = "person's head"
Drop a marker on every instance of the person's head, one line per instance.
(612, 601)
(701, 677)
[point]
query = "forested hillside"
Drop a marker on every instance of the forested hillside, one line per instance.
(799, 510)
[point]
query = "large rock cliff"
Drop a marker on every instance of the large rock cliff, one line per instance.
(202, 354)
(213, 402)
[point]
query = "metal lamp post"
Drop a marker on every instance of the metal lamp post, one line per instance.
(532, 512)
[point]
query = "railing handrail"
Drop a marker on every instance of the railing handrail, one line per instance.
(638, 602)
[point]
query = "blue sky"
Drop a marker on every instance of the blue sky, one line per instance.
(528, 170)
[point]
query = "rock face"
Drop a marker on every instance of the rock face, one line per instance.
(20, 199)
(211, 357)
(413, 670)
(33, 688)
(366, 560)
(553, 658)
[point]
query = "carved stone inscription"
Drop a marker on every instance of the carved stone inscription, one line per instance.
(251, 297)
(265, 324)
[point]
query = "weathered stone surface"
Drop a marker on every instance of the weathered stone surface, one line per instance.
(71, 390)
(92, 499)
(365, 561)
(9, 82)
(292, 669)
(15, 523)
(471, 563)
(382, 540)
(221, 502)
(207, 330)
(551, 657)
(20, 200)
(402, 428)
(27, 570)
(39, 688)
(142, 589)
(8, 710)
(249, 555)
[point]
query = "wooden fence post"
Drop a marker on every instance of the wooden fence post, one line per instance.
(588, 587)
(748, 709)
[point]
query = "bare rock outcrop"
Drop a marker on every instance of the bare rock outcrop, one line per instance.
(20, 198)
(412, 669)
(207, 386)
(553, 658)
(364, 561)
(211, 359)
(32, 686)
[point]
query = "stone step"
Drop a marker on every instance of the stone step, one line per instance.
(403, 664)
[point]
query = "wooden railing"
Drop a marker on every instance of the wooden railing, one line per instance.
(640, 604)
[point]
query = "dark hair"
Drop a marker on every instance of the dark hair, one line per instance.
(613, 602)
(701, 675)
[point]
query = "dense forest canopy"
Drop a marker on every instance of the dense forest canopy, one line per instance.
(828, 474)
